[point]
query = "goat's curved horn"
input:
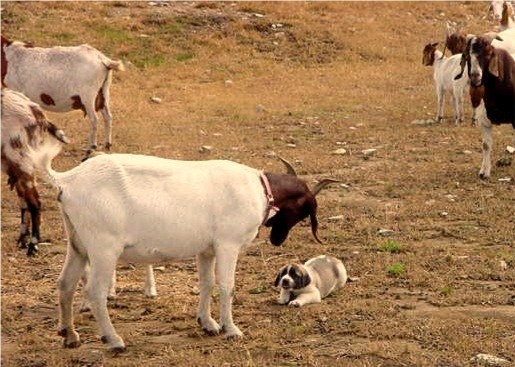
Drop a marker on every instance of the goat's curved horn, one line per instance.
(490, 36)
(289, 168)
(320, 185)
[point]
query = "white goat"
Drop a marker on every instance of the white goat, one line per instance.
(149, 209)
(25, 127)
(502, 12)
(445, 69)
(62, 79)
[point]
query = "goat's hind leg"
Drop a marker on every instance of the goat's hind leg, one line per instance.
(73, 269)
(486, 130)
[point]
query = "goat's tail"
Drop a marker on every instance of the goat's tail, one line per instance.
(42, 156)
(113, 64)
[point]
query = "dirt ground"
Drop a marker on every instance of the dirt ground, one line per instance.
(431, 245)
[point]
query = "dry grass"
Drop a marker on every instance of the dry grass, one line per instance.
(347, 73)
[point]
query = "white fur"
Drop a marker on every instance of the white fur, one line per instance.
(445, 69)
(148, 209)
(63, 72)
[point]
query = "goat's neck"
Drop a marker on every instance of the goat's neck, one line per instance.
(285, 186)
(438, 58)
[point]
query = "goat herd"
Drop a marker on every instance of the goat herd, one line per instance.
(152, 209)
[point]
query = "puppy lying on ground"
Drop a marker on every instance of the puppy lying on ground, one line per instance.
(309, 283)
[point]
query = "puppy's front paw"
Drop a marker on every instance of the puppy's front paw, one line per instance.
(294, 303)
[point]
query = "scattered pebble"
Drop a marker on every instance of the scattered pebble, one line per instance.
(260, 108)
(503, 264)
(205, 149)
(452, 198)
(228, 83)
(335, 218)
(368, 152)
(510, 149)
(444, 214)
(489, 359)
(505, 179)
(156, 100)
(291, 145)
(385, 232)
(467, 152)
(340, 151)
(159, 268)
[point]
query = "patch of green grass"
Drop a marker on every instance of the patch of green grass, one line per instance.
(64, 37)
(446, 291)
(183, 56)
(111, 34)
(396, 270)
(391, 246)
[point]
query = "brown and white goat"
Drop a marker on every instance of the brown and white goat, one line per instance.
(502, 11)
(62, 79)
(492, 77)
(25, 128)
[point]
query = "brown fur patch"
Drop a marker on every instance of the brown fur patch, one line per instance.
(99, 100)
(46, 99)
(476, 95)
(5, 42)
(15, 142)
(456, 42)
(77, 103)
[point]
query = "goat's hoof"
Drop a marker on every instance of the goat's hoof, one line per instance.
(483, 176)
(32, 249)
(72, 345)
(62, 332)
(117, 350)
(232, 332)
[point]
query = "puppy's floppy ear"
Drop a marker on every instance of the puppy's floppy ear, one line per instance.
(280, 274)
(304, 279)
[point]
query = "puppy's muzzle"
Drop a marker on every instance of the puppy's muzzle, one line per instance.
(286, 284)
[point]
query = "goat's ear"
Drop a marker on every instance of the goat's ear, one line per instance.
(495, 66)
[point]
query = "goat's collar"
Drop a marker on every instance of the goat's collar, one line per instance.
(271, 209)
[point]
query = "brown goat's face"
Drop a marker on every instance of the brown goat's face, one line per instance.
(479, 54)
(292, 211)
(428, 54)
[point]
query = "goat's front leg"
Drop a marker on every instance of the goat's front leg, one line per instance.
(440, 104)
(97, 288)
(206, 271)
(486, 130)
(226, 258)
(29, 204)
(73, 268)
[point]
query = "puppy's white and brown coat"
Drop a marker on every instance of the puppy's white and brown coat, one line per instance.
(309, 283)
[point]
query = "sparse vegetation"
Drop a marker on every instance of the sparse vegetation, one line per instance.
(321, 75)
(397, 269)
(391, 246)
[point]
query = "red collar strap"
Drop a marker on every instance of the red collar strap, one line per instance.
(271, 209)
